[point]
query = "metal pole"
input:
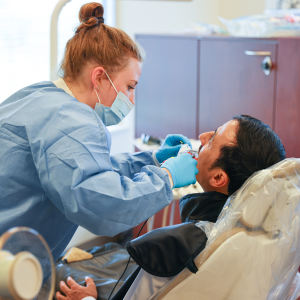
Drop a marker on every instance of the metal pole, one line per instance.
(53, 37)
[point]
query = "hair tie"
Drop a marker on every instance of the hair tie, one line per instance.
(100, 19)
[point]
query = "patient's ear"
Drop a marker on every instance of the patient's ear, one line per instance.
(219, 180)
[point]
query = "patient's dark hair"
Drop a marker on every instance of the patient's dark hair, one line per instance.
(257, 147)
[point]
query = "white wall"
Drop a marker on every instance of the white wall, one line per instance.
(136, 16)
(230, 9)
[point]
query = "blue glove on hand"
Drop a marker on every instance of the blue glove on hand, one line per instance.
(183, 170)
(171, 146)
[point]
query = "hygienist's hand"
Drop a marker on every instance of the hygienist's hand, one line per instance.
(74, 291)
(171, 146)
(183, 170)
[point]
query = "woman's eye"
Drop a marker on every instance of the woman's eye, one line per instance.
(130, 88)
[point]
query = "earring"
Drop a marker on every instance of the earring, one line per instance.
(97, 87)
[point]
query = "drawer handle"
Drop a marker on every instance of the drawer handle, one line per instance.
(258, 53)
(267, 63)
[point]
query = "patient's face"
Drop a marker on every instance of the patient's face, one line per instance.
(209, 151)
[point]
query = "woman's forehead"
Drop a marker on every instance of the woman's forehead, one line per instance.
(133, 69)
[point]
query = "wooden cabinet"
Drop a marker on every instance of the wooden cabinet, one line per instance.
(191, 85)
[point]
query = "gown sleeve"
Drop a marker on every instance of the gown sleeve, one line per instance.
(102, 194)
(128, 164)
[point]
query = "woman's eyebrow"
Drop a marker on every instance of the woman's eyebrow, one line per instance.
(135, 82)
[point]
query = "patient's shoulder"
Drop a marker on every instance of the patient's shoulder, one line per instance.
(202, 206)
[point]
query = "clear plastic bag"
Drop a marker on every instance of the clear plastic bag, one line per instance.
(203, 29)
(294, 293)
(268, 25)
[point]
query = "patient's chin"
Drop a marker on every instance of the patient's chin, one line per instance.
(198, 178)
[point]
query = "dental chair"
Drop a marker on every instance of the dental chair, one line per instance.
(253, 250)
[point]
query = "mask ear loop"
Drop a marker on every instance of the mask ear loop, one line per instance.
(111, 83)
(97, 95)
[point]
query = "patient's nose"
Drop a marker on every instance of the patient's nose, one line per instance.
(205, 137)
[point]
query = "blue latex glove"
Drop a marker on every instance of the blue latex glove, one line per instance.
(183, 170)
(171, 146)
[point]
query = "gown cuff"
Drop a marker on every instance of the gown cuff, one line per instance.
(158, 165)
(155, 159)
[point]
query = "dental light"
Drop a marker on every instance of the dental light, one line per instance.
(26, 265)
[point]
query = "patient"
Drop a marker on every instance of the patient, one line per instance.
(227, 158)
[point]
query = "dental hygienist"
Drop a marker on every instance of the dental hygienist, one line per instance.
(56, 171)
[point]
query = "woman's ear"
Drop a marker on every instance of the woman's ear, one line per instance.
(97, 75)
(219, 179)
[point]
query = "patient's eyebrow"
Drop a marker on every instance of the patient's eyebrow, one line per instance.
(212, 138)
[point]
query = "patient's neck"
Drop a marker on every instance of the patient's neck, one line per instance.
(223, 190)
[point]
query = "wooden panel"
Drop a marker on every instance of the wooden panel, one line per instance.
(233, 83)
(166, 96)
(287, 123)
(158, 218)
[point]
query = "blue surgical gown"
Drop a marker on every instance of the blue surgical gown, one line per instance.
(56, 171)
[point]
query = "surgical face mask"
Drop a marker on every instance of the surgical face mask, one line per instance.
(120, 108)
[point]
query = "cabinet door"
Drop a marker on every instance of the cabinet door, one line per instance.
(166, 95)
(288, 95)
(233, 83)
